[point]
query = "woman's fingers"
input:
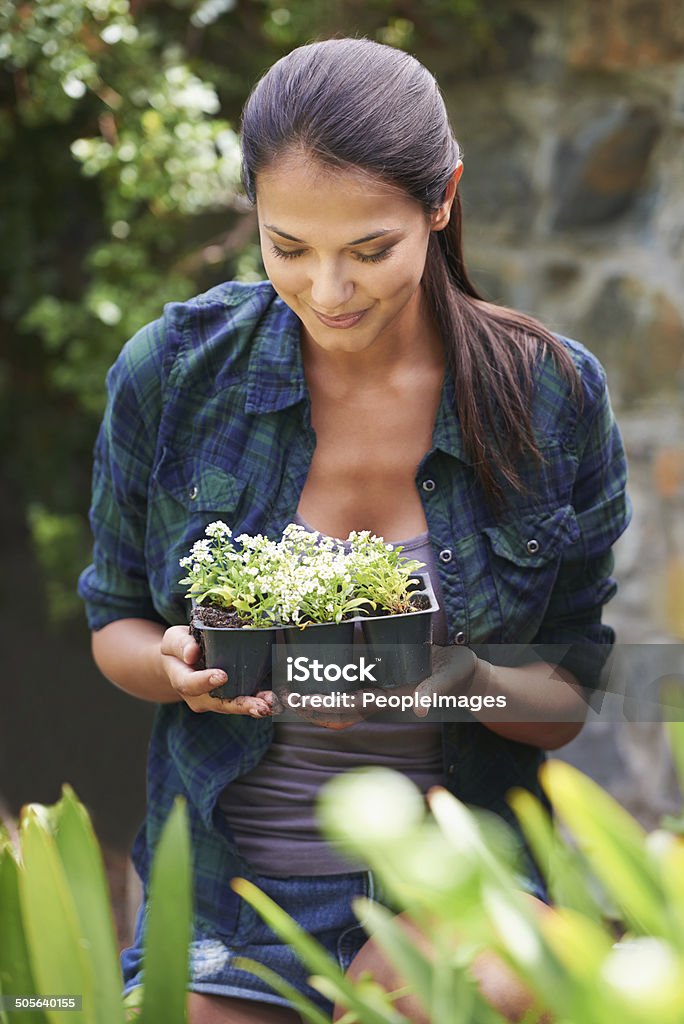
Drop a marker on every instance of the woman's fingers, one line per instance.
(453, 669)
(180, 652)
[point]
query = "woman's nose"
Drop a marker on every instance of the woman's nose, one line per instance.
(330, 289)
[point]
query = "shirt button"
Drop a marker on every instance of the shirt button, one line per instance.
(192, 492)
(459, 638)
(429, 485)
(533, 546)
(451, 769)
(446, 555)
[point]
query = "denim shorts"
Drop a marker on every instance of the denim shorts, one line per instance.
(320, 904)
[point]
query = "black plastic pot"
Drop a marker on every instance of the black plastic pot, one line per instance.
(401, 644)
(243, 654)
(330, 644)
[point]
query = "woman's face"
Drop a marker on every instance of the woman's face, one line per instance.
(345, 251)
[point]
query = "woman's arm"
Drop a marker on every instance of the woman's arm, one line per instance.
(537, 703)
(544, 703)
(128, 653)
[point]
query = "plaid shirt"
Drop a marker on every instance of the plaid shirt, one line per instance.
(209, 418)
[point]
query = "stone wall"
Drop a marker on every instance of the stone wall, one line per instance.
(573, 192)
(574, 188)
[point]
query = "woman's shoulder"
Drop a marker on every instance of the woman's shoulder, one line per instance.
(217, 324)
(554, 382)
(569, 393)
(589, 367)
(244, 295)
(238, 305)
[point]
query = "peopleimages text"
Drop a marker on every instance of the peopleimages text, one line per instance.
(402, 701)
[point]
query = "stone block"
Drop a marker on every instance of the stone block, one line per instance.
(496, 185)
(638, 333)
(601, 162)
(617, 34)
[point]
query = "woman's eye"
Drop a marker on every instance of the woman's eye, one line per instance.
(377, 257)
(290, 254)
(285, 254)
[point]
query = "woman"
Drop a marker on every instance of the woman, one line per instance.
(365, 385)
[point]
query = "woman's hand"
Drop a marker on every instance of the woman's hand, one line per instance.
(453, 670)
(180, 653)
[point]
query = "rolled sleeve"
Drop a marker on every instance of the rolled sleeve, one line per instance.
(114, 586)
(572, 622)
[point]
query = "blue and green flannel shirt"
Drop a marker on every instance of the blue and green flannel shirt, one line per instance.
(208, 417)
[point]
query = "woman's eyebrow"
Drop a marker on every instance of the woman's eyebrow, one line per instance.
(357, 241)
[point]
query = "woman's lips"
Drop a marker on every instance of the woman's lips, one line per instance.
(347, 320)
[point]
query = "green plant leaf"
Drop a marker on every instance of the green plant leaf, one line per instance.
(671, 695)
(443, 985)
(59, 960)
(565, 873)
(667, 851)
(413, 966)
(461, 828)
(312, 954)
(87, 881)
(614, 844)
(16, 977)
(169, 923)
(133, 1003)
(522, 943)
(305, 1006)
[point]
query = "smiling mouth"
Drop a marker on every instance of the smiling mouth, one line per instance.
(344, 320)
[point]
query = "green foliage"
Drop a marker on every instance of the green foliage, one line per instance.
(382, 576)
(457, 882)
(56, 926)
(58, 541)
(119, 193)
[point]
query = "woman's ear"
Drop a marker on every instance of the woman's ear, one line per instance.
(440, 217)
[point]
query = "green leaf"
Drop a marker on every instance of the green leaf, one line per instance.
(169, 923)
(614, 844)
(305, 1006)
(311, 953)
(565, 872)
(671, 695)
(133, 1003)
(522, 943)
(59, 959)
(86, 878)
(447, 992)
(413, 966)
(16, 977)
(463, 831)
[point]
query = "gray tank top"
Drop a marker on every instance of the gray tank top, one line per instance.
(271, 809)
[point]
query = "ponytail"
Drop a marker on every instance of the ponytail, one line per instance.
(491, 353)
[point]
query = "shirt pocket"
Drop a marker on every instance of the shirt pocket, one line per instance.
(186, 494)
(524, 560)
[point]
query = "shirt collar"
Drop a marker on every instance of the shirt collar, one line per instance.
(275, 377)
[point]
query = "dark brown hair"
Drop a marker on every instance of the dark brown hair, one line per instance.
(357, 103)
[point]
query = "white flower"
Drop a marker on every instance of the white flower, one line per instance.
(218, 529)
